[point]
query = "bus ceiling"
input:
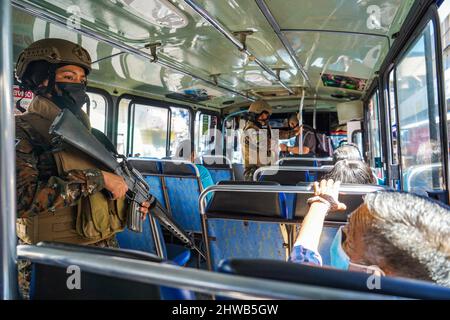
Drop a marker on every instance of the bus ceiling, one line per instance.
(223, 53)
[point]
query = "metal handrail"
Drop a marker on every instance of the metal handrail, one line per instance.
(344, 189)
(276, 28)
(304, 159)
(288, 168)
(227, 34)
(233, 286)
(8, 240)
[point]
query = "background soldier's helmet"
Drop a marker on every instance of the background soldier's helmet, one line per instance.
(260, 106)
(55, 52)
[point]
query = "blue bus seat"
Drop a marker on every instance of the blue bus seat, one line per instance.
(151, 170)
(238, 171)
(50, 282)
(246, 224)
(219, 167)
(220, 174)
(144, 242)
(333, 278)
(284, 177)
(183, 190)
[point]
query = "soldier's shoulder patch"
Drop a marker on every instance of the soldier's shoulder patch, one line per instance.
(23, 145)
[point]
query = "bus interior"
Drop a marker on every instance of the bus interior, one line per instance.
(166, 71)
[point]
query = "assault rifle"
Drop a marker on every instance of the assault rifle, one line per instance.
(67, 128)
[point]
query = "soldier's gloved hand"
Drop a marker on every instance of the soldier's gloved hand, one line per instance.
(115, 185)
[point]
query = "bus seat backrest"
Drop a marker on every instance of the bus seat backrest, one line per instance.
(284, 178)
(50, 282)
(248, 203)
(183, 190)
(146, 166)
(220, 174)
(333, 278)
(177, 168)
(298, 163)
(250, 238)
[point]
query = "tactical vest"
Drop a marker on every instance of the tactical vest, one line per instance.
(250, 125)
(91, 219)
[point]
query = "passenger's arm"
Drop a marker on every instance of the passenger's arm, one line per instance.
(325, 200)
(34, 195)
(286, 134)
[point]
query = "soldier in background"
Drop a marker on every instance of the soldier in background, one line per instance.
(60, 194)
(259, 144)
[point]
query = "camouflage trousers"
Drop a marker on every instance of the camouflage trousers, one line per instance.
(24, 266)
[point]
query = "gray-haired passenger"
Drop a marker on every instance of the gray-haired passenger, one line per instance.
(391, 233)
(348, 151)
(351, 172)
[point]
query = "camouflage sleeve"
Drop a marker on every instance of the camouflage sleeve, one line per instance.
(36, 195)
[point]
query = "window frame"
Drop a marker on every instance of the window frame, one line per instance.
(421, 14)
(159, 104)
(210, 113)
(108, 108)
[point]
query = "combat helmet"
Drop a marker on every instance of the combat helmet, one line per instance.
(45, 56)
(259, 107)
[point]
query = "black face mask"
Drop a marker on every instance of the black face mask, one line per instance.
(73, 96)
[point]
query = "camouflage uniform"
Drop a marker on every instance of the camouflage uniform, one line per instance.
(257, 141)
(39, 187)
(255, 146)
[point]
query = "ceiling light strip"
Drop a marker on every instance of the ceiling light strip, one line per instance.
(219, 27)
(35, 10)
(276, 28)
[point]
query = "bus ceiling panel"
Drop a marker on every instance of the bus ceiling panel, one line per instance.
(238, 40)
(192, 45)
(369, 16)
(132, 72)
(338, 59)
(238, 16)
(135, 21)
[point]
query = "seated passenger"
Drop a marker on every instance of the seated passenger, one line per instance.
(347, 151)
(352, 172)
(391, 233)
(184, 148)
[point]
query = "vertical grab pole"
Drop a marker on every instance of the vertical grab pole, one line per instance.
(8, 240)
(300, 121)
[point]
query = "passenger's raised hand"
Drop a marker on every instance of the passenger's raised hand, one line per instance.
(328, 190)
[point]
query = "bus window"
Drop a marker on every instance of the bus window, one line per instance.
(375, 136)
(418, 114)
(393, 118)
(96, 111)
(122, 126)
(357, 139)
(205, 128)
(233, 139)
(149, 131)
(179, 128)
